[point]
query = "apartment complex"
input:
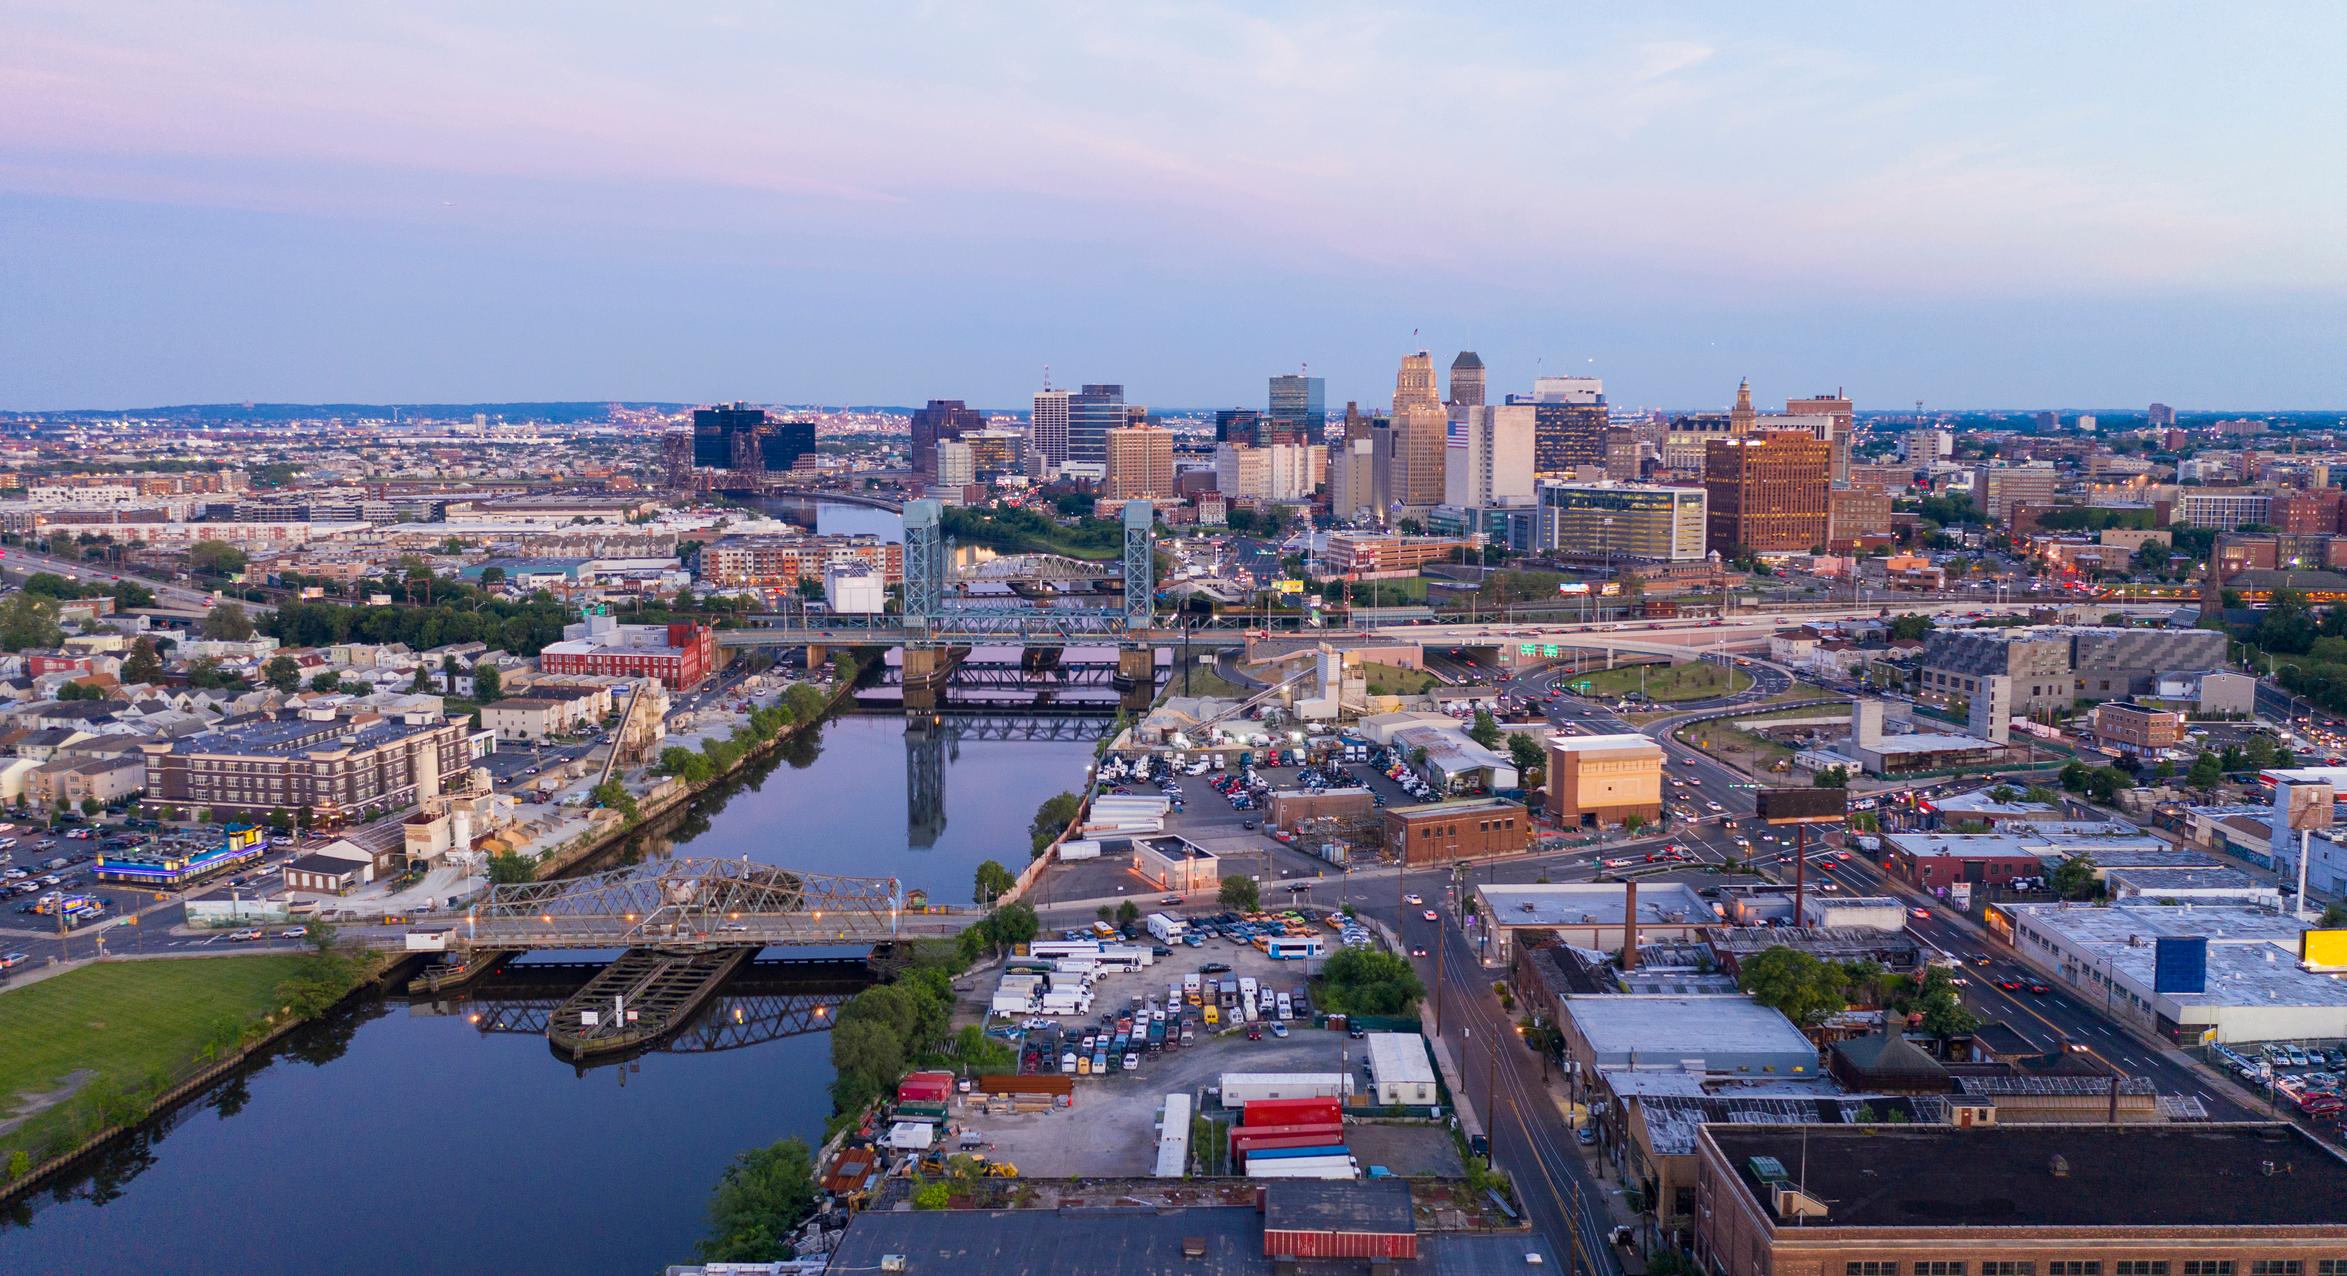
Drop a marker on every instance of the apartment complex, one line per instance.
(1767, 492)
(2055, 666)
(336, 765)
(783, 561)
(1140, 464)
(680, 655)
(1621, 520)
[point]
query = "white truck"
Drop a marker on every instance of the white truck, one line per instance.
(1167, 928)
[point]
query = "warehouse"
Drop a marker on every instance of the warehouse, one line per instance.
(1400, 1074)
(1728, 1034)
(1588, 914)
(1466, 828)
(1176, 864)
(2249, 983)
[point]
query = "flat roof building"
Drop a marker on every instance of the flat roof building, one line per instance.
(1399, 1071)
(1595, 780)
(1727, 1034)
(1886, 1200)
(1436, 832)
(1589, 914)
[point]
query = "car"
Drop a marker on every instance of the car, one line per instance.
(1431, 915)
(2039, 988)
(1171, 900)
(1215, 968)
(1417, 952)
(1919, 913)
(1279, 1029)
(1254, 1032)
(246, 936)
(1248, 825)
(1413, 899)
(1587, 1135)
(11, 961)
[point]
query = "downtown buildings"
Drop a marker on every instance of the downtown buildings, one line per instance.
(742, 439)
(1768, 492)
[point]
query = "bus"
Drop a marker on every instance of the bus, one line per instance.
(1289, 947)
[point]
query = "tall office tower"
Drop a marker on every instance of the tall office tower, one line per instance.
(1236, 425)
(1467, 380)
(1092, 412)
(956, 463)
(1741, 417)
(1352, 477)
(1140, 463)
(942, 419)
(1490, 459)
(715, 431)
(1301, 401)
(1421, 426)
(1835, 408)
(2160, 416)
(1047, 432)
(783, 444)
(1569, 423)
(1768, 492)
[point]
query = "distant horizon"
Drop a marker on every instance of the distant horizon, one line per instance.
(1335, 410)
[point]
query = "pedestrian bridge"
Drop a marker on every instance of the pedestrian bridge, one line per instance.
(685, 904)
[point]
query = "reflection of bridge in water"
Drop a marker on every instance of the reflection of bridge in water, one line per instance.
(763, 1001)
(933, 740)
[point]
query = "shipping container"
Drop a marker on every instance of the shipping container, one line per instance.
(1247, 1134)
(1319, 1167)
(1305, 1152)
(1262, 1112)
(1321, 1136)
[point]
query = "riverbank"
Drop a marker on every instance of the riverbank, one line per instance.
(672, 795)
(101, 1049)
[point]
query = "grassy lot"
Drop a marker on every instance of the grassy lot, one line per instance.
(1666, 684)
(1393, 680)
(1409, 591)
(116, 1027)
(1745, 749)
(1204, 680)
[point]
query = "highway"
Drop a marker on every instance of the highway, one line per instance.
(17, 563)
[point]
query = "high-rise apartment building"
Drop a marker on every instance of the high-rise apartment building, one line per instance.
(1467, 380)
(1768, 492)
(1300, 400)
(1092, 412)
(1140, 463)
(1921, 449)
(1996, 489)
(1490, 456)
(1047, 432)
(1272, 472)
(1421, 426)
(1841, 418)
(2161, 417)
(1621, 521)
(941, 419)
(1353, 482)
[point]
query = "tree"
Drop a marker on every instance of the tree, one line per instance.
(215, 558)
(282, 674)
(1128, 913)
(1239, 893)
(1358, 981)
(993, 881)
(506, 868)
(1527, 754)
(1833, 777)
(1486, 730)
(142, 664)
(492, 576)
(29, 620)
(487, 685)
(1796, 985)
(1942, 1007)
(1633, 822)
(327, 681)
(614, 795)
(2334, 918)
(2207, 772)
(450, 667)
(2074, 878)
(1056, 813)
(421, 684)
(763, 1197)
(228, 622)
(1910, 627)
(2003, 793)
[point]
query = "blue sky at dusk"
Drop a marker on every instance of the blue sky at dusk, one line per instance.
(1980, 205)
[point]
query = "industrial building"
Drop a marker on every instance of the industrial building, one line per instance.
(1436, 832)
(681, 654)
(1176, 863)
(1588, 914)
(1728, 1034)
(2189, 972)
(1400, 1073)
(2057, 1200)
(1595, 780)
(2055, 666)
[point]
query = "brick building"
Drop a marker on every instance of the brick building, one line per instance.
(1767, 492)
(681, 655)
(1604, 779)
(335, 765)
(2137, 728)
(2019, 1200)
(1436, 832)
(782, 562)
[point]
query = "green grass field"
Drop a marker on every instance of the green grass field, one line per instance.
(1667, 684)
(126, 1022)
(1393, 680)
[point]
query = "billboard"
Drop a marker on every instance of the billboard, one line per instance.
(2179, 963)
(2311, 806)
(1803, 806)
(2323, 949)
(1287, 586)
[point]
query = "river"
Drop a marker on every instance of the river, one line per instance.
(390, 1140)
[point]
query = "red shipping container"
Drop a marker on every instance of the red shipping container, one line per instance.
(1248, 1135)
(1321, 1244)
(1290, 1111)
(925, 1087)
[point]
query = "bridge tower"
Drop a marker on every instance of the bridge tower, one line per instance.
(924, 564)
(1140, 564)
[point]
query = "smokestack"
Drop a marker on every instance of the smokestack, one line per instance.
(1630, 925)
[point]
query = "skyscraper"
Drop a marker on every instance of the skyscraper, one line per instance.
(1768, 492)
(1420, 427)
(739, 438)
(1236, 425)
(1302, 401)
(1047, 435)
(1139, 463)
(1467, 380)
(1569, 423)
(1092, 412)
(942, 419)
(1490, 462)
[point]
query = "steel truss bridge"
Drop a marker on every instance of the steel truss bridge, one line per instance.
(693, 904)
(765, 1001)
(1053, 569)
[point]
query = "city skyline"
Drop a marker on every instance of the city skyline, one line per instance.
(436, 205)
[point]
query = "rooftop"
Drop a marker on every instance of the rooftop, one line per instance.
(2252, 952)
(2212, 1176)
(1594, 904)
(1665, 1030)
(1623, 741)
(1380, 1206)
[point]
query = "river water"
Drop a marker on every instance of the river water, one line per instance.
(389, 1139)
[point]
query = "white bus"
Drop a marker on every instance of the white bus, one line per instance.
(1287, 947)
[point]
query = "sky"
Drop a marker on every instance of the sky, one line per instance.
(1978, 205)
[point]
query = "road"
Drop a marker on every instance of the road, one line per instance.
(17, 563)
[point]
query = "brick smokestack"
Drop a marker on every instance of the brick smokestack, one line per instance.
(1630, 925)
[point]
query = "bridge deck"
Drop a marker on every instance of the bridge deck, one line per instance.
(638, 999)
